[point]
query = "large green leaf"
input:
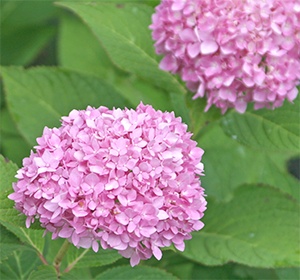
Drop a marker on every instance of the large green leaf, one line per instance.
(229, 164)
(136, 273)
(277, 130)
(38, 97)
(19, 265)
(79, 49)
(123, 31)
(258, 227)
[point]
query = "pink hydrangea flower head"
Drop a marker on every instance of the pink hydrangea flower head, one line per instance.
(127, 179)
(233, 52)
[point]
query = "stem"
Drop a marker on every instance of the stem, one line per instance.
(58, 258)
(42, 258)
(75, 261)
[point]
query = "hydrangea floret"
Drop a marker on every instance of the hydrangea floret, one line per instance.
(127, 179)
(233, 52)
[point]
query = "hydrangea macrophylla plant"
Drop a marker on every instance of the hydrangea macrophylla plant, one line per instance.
(126, 178)
(232, 52)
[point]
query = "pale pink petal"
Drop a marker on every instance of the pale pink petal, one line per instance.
(209, 47)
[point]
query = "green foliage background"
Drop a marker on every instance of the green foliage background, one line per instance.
(69, 54)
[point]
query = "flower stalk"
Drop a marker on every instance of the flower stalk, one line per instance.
(60, 255)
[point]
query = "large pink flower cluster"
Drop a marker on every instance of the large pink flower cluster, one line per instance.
(126, 178)
(233, 52)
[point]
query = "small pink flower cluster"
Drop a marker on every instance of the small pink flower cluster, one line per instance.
(234, 51)
(126, 178)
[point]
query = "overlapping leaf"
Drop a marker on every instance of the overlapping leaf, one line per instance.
(124, 33)
(76, 40)
(9, 243)
(19, 265)
(229, 164)
(40, 96)
(259, 227)
(277, 130)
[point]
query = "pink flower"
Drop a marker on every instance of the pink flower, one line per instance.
(232, 52)
(125, 178)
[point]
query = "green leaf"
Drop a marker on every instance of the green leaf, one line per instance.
(229, 164)
(8, 214)
(276, 130)
(77, 258)
(124, 33)
(77, 274)
(32, 237)
(80, 258)
(9, 243)
(215, 272)
(32, 39)
(25, 23)
(288, 273)
(258, 227)
(174, 263)
(19, 265)
(135, 273)
(38, 97)
(8, 171)
(26, 12)
(199, 119)
(13, 146)
(192, 112)
(80, 50)
(43, 272)
(245, 272)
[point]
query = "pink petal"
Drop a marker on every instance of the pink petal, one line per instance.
(156, 252)
(209, 47)
(135, 259)
(169, 63)
(162, 215)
